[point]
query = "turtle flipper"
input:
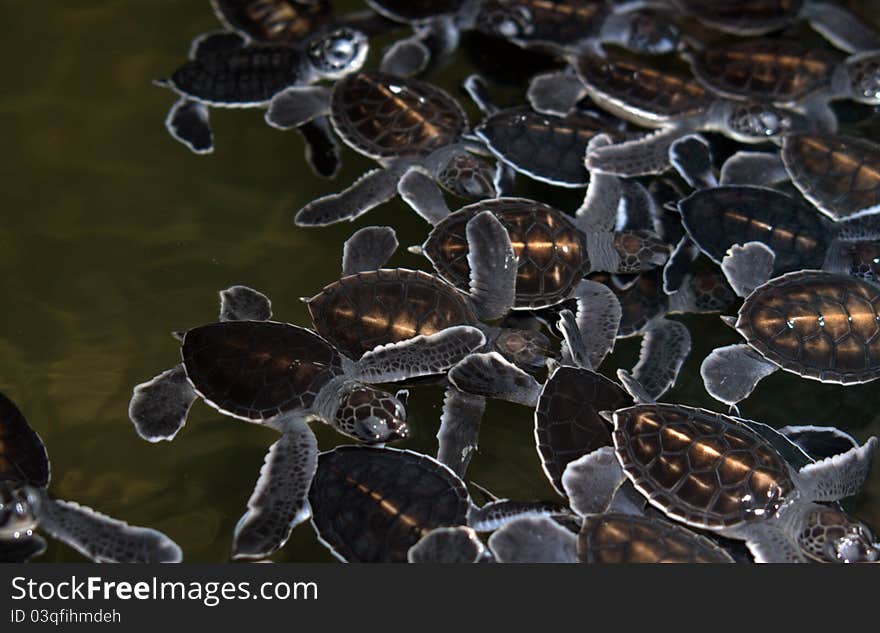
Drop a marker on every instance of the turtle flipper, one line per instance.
(555, 93)
(769, 544)
(103, 539)
(368, 192)
(505, 179)
(240, 303)
(634, 388)
(189, 123)
(280, 499)
(692, 159)
(642, 157)
(819, 442)
(675, 272)
(731, 373)
(478, 91)
(418, 356)
(406, 58)
(538, 540)
(448, 545)
(422, 193)
(500, 512)
(21, 550)
(665, 346)
(835, 478)
(753, 168)
(492, 376)
(493, 266)
(591, 481)
(298, 105)
(748, 266)
(840, 27)
(599, 211)
(598, 318)
(370, 248)
(322, 150)
(459, 432)
(159, 407)
(575, 348)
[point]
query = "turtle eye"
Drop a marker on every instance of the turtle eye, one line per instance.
(18, 508)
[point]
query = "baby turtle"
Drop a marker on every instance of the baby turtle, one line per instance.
(25, 505)
(406, 125)
(819, 325)
(449, 545)
(224, 72)
(375, 504)
(274, 21)
(283, 376)
(675, 105)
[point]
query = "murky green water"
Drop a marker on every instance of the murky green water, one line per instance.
(113, 235)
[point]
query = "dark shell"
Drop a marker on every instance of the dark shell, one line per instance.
(640, 302)
(547, 148)
(567, 421)
(258, 369)
(720, 217)
(839, 174)
(819, 325)
(746, 17)
(245, 76)
(274, 20)
(361, 311)
(371, 505)
(859, 258)
(23, 456)
(415, 10)
(700, 467)
(538, 21)
(551, 250)
(781, 71)
(639, 93)
(625, 538)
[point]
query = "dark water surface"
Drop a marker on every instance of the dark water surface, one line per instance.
(114, 236)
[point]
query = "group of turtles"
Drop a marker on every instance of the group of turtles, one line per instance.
(522, 302)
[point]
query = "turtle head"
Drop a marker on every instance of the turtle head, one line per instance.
(863, 77)
(831, 536)
(338, 52)
(641, 32)
(524, 348)
(466, 176)
(753, 122)
(19, 507)
(509, 21)
(369, 414)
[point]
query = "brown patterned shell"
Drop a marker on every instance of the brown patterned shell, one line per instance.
(839, 174)
(383, 116)
(255, 370)
(23, 458)
(415, 10)
(540, 21)
(700, 467)
(273, 21)
(551, 251)
(745, 17)
(640, 303)
(782, 71)
(361, 311)
(625, 538)
(819, 325)
(640, 93)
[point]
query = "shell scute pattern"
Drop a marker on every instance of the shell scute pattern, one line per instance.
(747, 16)
(816, 324)
(275, 20)
(542, 21)
(23, 456)
(700, 467)
(256, 370)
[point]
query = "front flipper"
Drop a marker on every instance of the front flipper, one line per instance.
(372, 189)
(493, 266)
(369, 248)
(105, 540)
(748, 266)
(840, 27)
(492, 376)
(730, 374)
(322, 150)
(539, 540)
(448, 545)
(753, 168)
(692, 159)
(500, 512)
(591, 481)
(599, 210)
(598, 319)
(642, 157)
(555, 93)
(819, 442)
(406, 58)
(665, 346)
(189, 123)
(476, 88)
(280, 500)
(575, 350)
(837, 477)
(675, 272)
(418, 356)
(240, 303)
(769, 544)
(459, 432)
(422, 193)
(298, 105)
(159, 407)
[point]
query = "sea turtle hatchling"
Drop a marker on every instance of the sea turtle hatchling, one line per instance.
(283, 376)
(712, 472)
(25, 505)
(820, 325)
(404, 124)
(274, 21)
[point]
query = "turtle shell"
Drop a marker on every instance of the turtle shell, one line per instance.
(640, 302)
(256, 370)
(567, 421)
(23, 458)
(547, 148)
(782, 71)
(383, 116)
(274, 20)
(839, 174)
(625, 538)
(720, 217)
(743, 17)
(373, 504)
(640, 93)
(415, 10)
(538, 21)
(816, 324)
(700, 467)
(551, 251)
(859, 258)
(361, 311)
